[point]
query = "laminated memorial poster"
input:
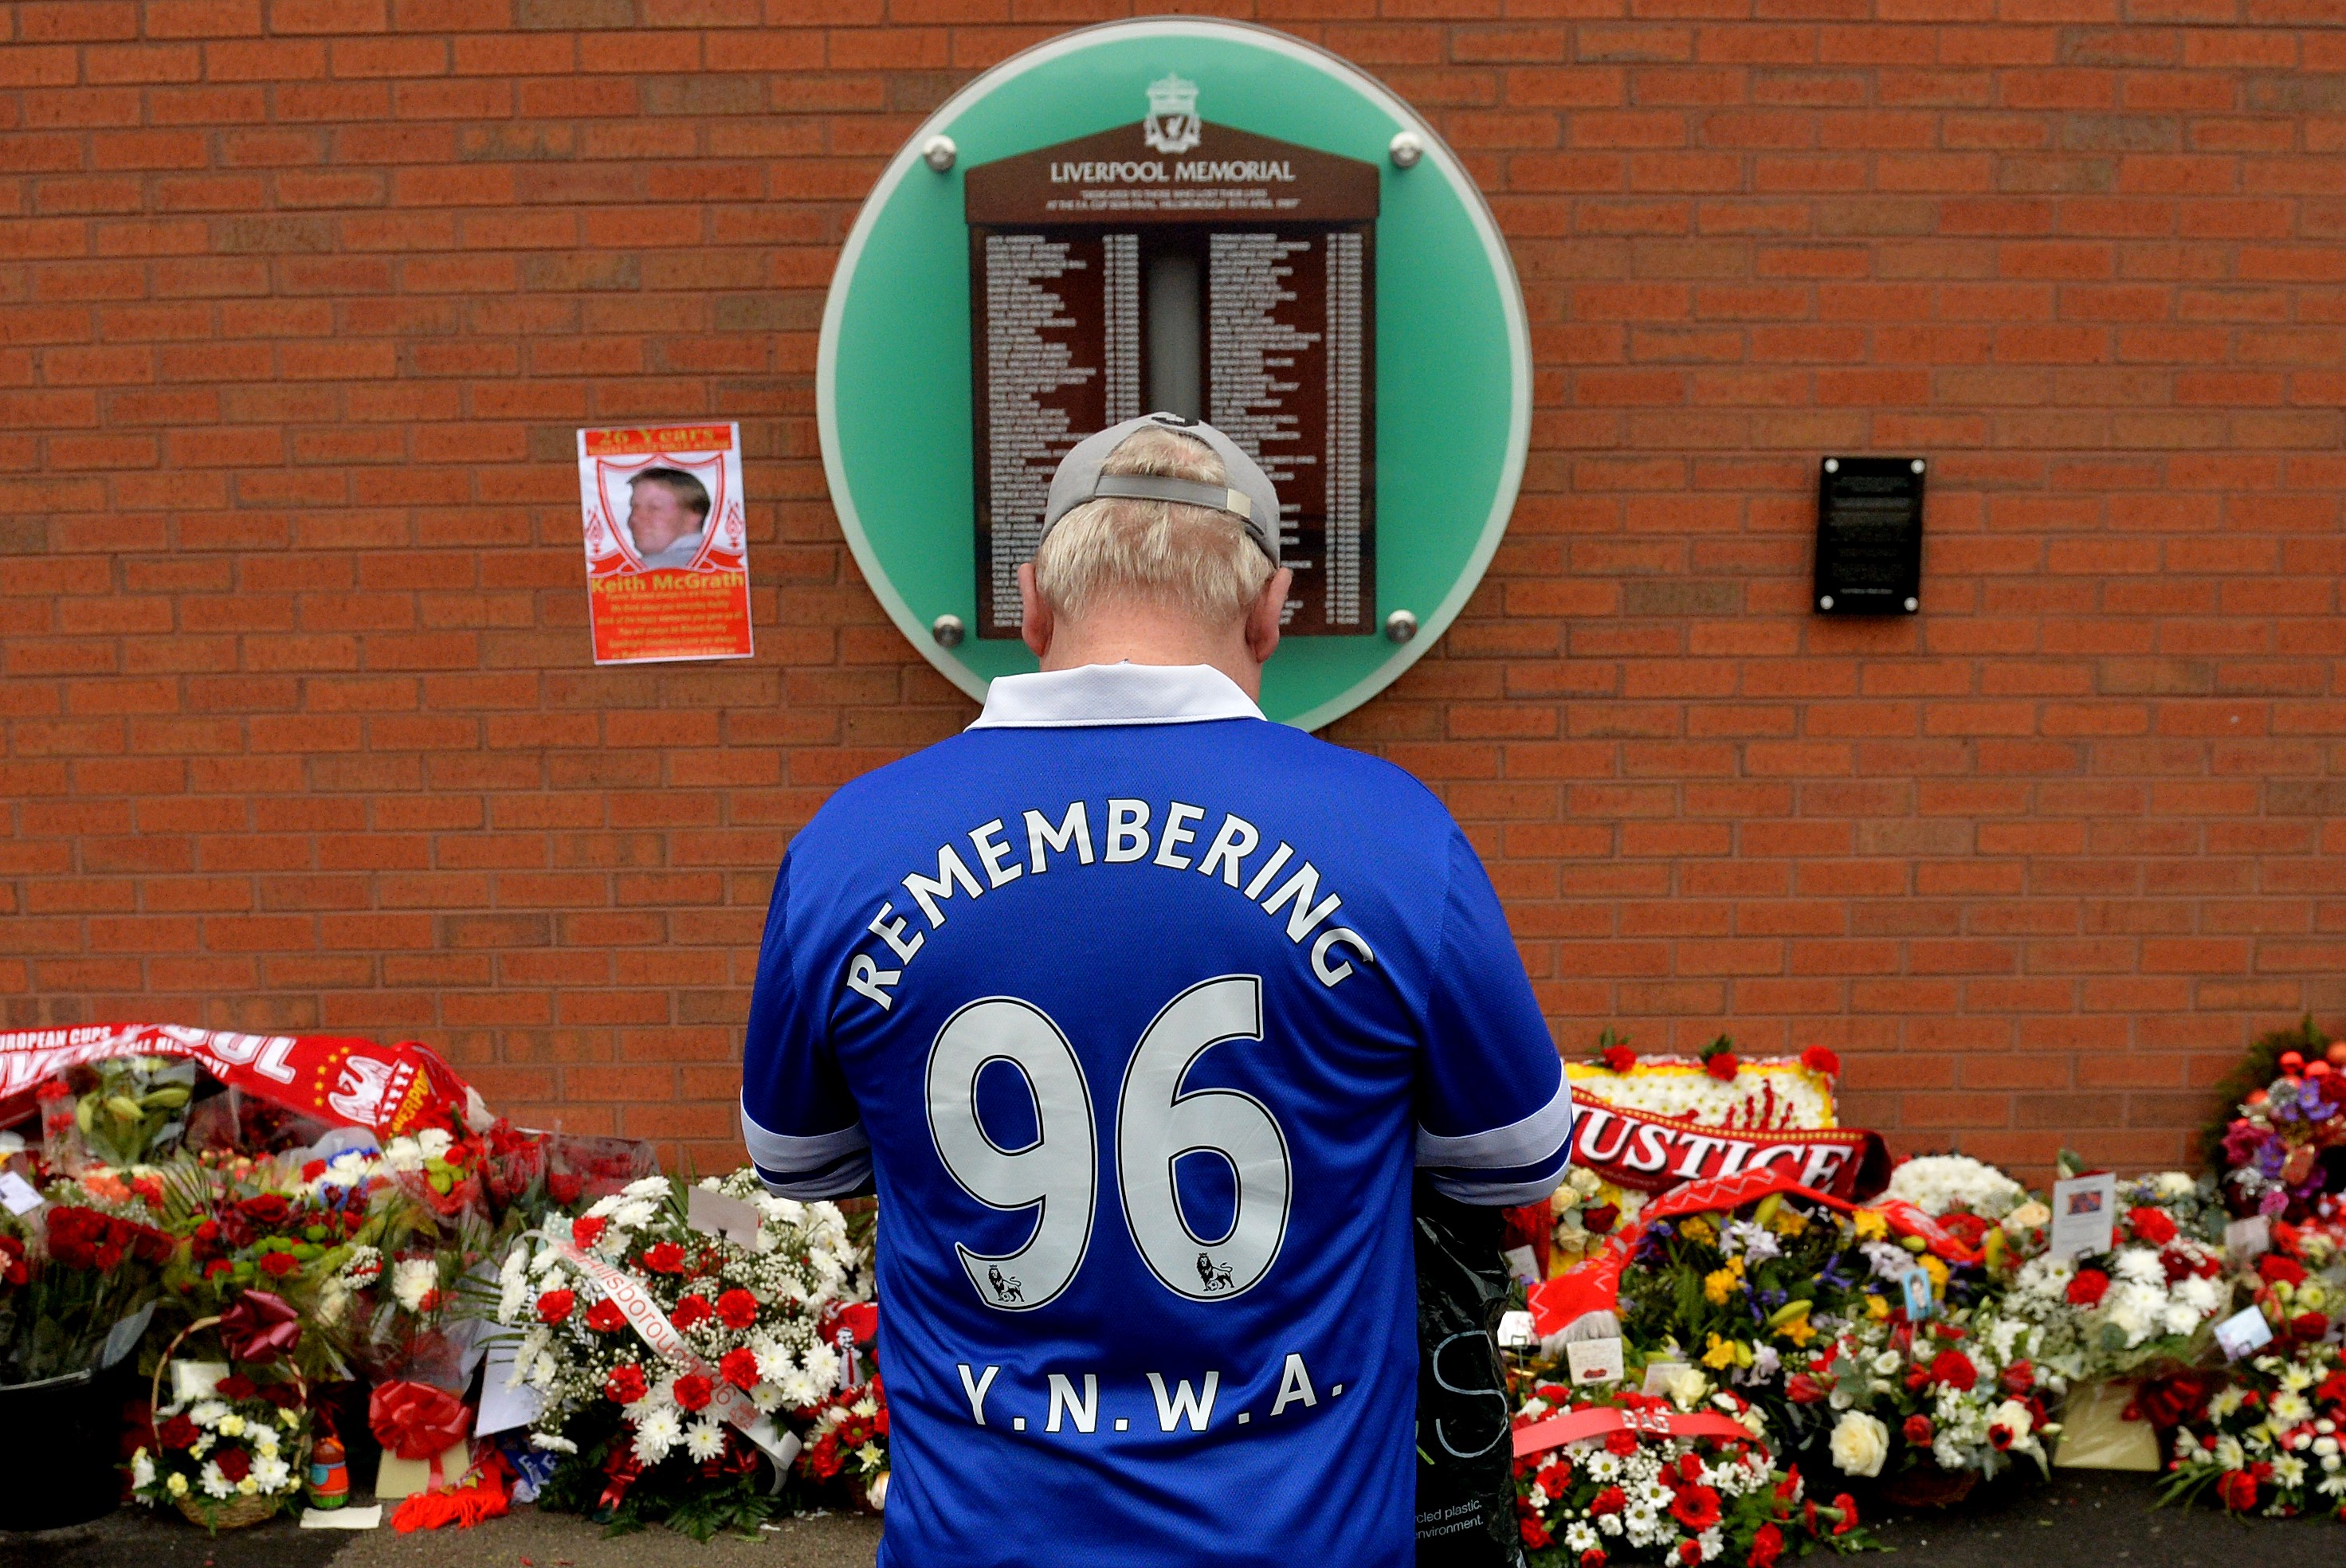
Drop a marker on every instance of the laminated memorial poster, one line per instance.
(667, 549)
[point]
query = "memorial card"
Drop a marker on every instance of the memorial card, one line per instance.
(667, 551)
(2084, 1215)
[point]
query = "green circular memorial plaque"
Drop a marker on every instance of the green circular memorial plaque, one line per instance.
(1154, 213)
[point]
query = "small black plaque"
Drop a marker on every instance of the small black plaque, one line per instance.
(1870, 536)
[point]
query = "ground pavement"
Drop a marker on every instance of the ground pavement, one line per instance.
(2083, 1519)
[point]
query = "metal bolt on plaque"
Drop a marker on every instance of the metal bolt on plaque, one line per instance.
(1406, 148)
(939, 153)
(1401, 625)
(947, 630)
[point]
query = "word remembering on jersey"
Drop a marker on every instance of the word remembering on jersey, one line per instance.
(1126, 840)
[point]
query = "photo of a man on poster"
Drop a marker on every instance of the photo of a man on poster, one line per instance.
(668, 516)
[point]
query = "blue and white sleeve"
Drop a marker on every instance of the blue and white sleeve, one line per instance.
(801, 1125)
(1495, 1111)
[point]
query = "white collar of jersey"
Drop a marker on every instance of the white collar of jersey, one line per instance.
(1113, 694)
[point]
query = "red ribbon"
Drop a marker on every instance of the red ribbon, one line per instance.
(1599, 1420)
(417, 1421)
(624, 1469)
(259, 1327)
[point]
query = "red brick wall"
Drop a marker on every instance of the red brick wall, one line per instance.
(300, 301)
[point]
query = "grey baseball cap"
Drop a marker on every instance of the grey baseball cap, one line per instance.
(1248, 496)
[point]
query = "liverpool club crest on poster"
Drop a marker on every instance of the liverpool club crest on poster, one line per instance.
(1172, 127)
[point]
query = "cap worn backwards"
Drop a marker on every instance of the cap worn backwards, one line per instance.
(1246, 496)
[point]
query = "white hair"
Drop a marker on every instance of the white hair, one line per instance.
(1192, 557)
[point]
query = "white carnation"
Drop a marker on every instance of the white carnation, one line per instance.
(412, 1278)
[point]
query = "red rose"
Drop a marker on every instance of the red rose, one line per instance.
(691, 1312)
(1696, 1507)
(207, 1231)
(1619, 1058)
(268, 1209)
(736, 1309)
(178, 1432)
(1721, 1065)
(554, 1306)
(691, 1392)
(626, 1384)
(1848, 1506)
(1817, 1059)
(2309, 1326)
(235, 1387)
(1804, 1389)
(2151, 1225)
(1767, 1545)
(605, 1318)
(2089, 1287)
(584, 1232)
(2278, 1270)
(1599, 1218)
(279, 1264)
(2018, 1378)
(1690, 1468)
(1612, 1500)
(234, 1462)
(2237, 1489)
(1955, 1370)
(664, 1258)
(217, 1267)
(740, 1367)
(1918, 1431)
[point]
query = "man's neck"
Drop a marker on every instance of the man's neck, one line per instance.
(1139, 633)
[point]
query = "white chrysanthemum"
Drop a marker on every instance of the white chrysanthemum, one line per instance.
(350, 1168)
(774, 1361)
(404, 1154)
(215, 1484)
(271, 1473)
(2139, 1266)
(1940, 1183)
(656, 1431)
(208, 1412)
(413, 1278)
(2178, 1319)
(434, 1142)
(552, 1442)
(822, 1364)
(799, 1391)
(2289, 1408)
(704, 1439)
(645, 1187)
(142, 1469)
(632, 1213)
(1581, 1536)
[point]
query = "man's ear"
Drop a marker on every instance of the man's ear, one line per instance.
(1263, 617)
(1035, 624)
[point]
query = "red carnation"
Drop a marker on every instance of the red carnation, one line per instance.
(2151, 1225)
(312, 1170)
(556, 1305)
(2309, 1326)
(1918, 1431)
(691, 1392)
(2279, 1270)
(1848, 1506)
(234, 1462)
(664, 1258)
(1612, 1500)
(1721, 1065)
(1690, 1553)
(1696, 1507)
(584, 1232)
(605, 1317)
(736, 1309)
(1592, 1558)
(2237, 1488)
(1528, 1525)
(1955, 1370)
(740, 1367)
(1690, 1466)
(235, 1388)
(216, 1268)
(1767, 1546)
(1619, 1058)
(564, 1186)
(1622, 1444)
(279, 1264)
(1817, 1059)
(691, 1312)
(2018, 1378)
(178, 1432)
(2089, 1287)
(626, 1384)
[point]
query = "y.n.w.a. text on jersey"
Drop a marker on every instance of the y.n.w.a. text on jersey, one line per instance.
(1139, 1012)
(1064, 838)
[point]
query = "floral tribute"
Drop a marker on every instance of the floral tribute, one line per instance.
(1962, 1396)
(2284, 1153)
(1644, 1494)
(642, 1435)
(2269, 1441)
(242, 1447)
(2149, 1303)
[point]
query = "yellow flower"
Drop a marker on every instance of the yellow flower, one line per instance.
(1797, 1331)
(1877, 1308)
(1722, 1353)
(1870, 1225)
(177, 1485)
(1721, 1283)
(1938, 1273)
(1699, 1229)
(1790, 1221)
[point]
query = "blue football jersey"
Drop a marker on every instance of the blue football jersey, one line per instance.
(1140, 1010)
